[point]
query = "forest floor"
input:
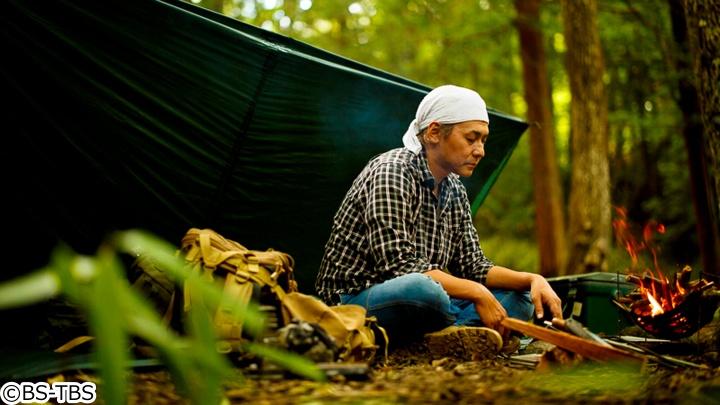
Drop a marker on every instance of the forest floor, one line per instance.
(411, 377)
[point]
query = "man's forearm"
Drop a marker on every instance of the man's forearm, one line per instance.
(541, 292)
(488, 308)
(456, 287)
(504, 278)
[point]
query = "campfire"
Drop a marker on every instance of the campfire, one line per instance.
(669, 309)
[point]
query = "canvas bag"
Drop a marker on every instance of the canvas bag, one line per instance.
(349, 326)
(244, 270)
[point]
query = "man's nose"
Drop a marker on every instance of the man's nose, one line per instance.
(479, 151)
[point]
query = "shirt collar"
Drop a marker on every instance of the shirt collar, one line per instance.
(428, 180)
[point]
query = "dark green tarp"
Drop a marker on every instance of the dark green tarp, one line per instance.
(164, 116)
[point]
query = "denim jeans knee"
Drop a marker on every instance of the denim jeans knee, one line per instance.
(407, 306)
(518, 304)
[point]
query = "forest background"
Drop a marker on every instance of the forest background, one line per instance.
(613, 83)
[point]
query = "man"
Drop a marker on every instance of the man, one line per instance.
(403, 244)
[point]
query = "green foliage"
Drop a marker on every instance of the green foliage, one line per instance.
(648, 158)
(506, 251)
(445, 48)
(116, 312)
(102, 300)
(509, 210)
(522, 254)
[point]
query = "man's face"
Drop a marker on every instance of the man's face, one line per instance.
(461, 150)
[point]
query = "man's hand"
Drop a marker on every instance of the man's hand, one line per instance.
(542, 294)
(490, 310)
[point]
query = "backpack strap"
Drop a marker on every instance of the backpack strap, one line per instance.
(242, 268)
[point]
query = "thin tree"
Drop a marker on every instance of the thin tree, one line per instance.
(589, 227)
(549, 220)
(696, 29)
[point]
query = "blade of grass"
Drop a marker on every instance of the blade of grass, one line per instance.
(30, 289)
(112, 343)
(69, 266)
(204, 347)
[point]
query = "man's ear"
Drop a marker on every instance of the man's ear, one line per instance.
(432, 133)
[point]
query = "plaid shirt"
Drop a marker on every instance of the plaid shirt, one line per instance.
(391, 224)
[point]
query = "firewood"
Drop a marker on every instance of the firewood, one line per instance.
(646, 281)
(572, 343)
(683, 277)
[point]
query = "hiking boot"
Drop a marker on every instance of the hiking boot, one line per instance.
(464, 342)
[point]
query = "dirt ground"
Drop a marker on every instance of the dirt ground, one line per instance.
(411, 377)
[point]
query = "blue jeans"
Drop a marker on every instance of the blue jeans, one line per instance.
(414, 304)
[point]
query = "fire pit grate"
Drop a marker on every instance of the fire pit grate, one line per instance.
(680, 322)
(670, 310)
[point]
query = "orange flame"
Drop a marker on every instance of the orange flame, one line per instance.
(656, 308)
(662, 295)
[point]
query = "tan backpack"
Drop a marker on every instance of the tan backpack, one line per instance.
(245, 271)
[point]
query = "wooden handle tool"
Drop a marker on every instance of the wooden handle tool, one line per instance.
(576, 328)
(583, 347)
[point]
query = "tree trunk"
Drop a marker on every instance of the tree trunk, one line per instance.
(696, 28)
(549, 220)
(589, 228)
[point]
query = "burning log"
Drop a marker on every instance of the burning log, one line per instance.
(670, 309)
(664, 308)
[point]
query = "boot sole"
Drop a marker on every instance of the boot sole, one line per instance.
(467, 343)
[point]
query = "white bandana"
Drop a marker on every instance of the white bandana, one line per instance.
(446, 105)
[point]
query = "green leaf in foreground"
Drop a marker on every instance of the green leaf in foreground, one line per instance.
(108, 327)
(27, 290)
